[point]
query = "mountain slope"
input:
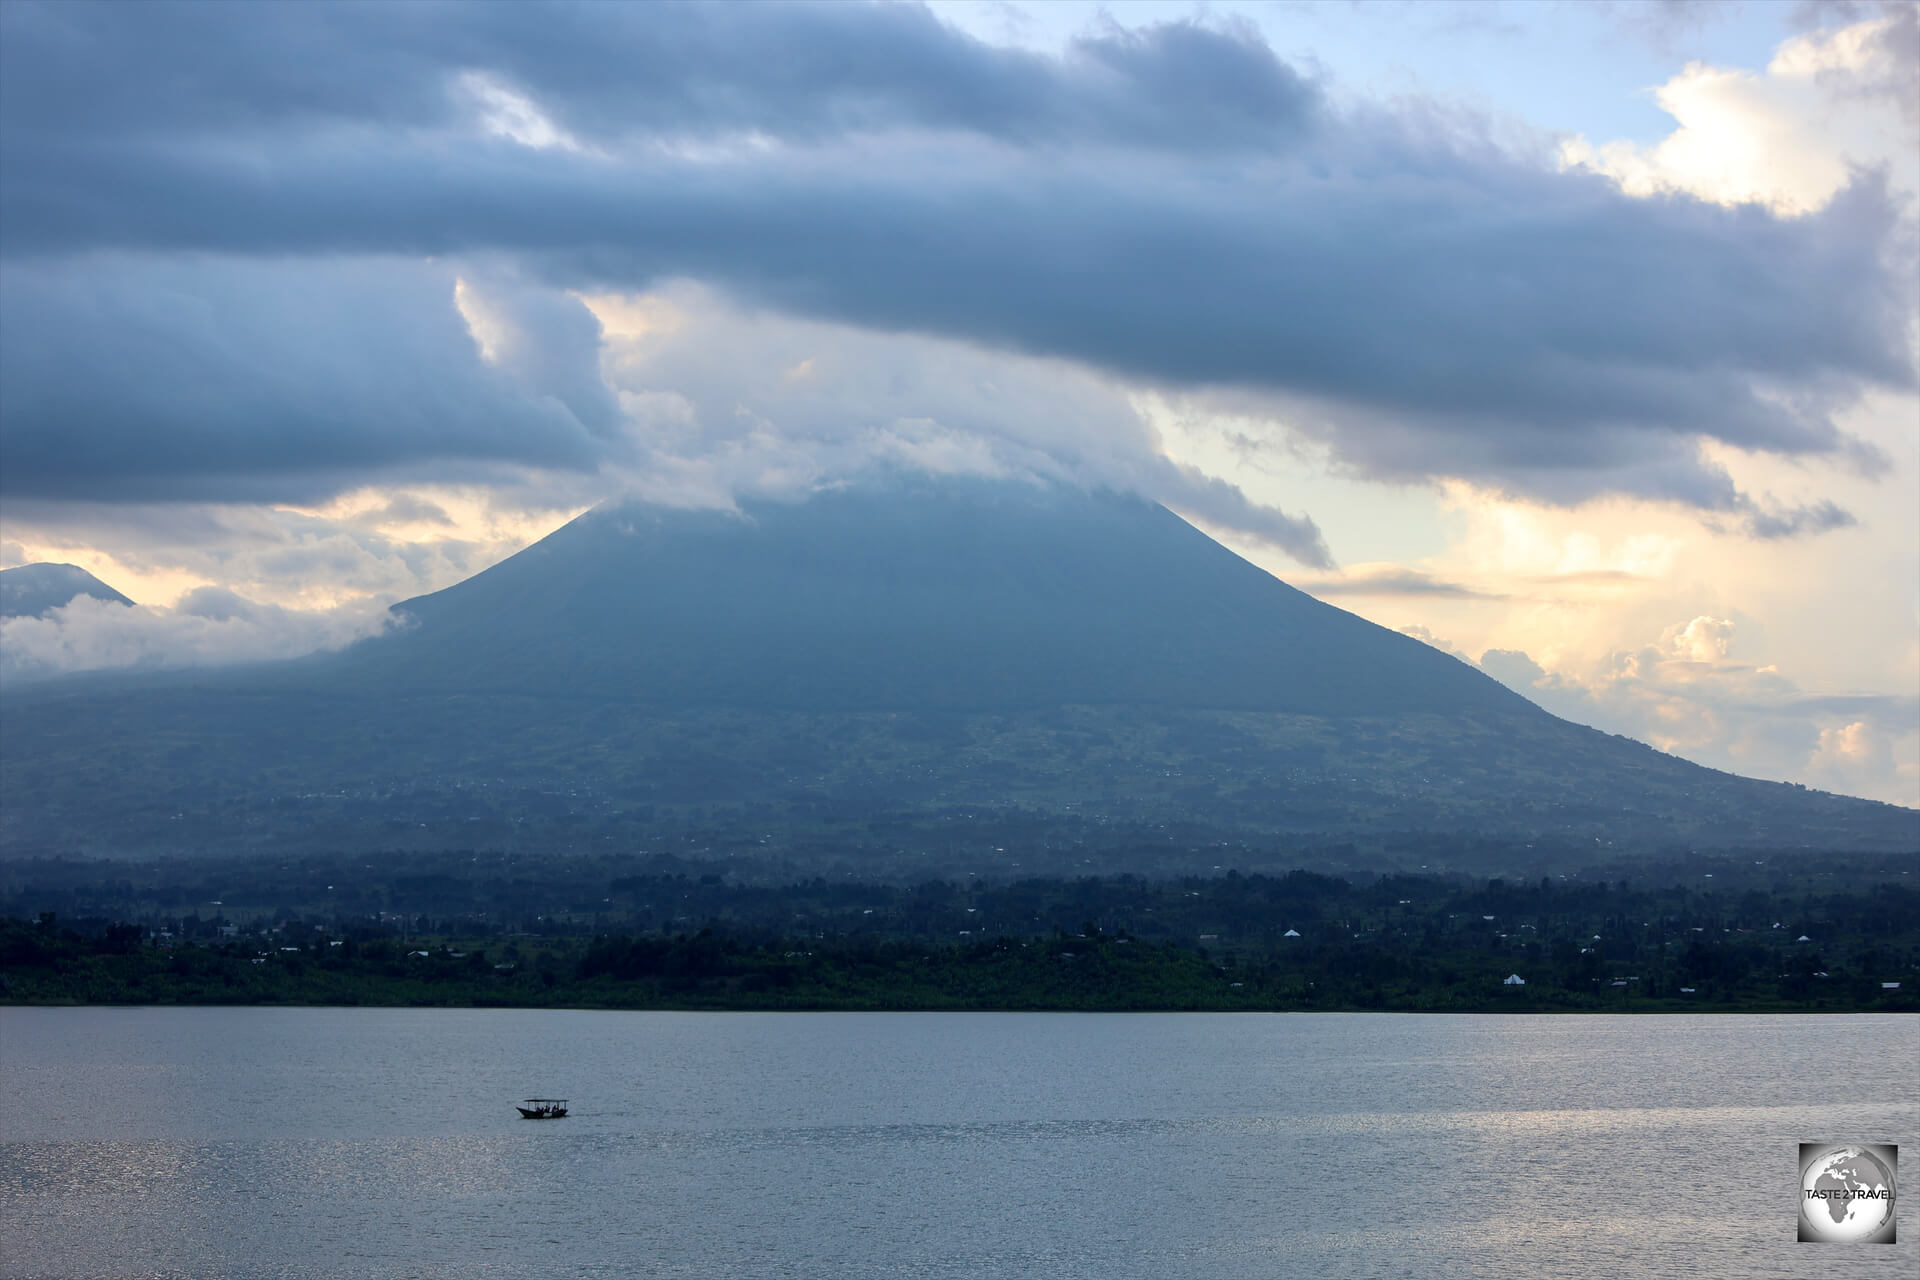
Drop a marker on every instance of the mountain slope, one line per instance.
(954, 596)
(1003, 676)
(31, 590)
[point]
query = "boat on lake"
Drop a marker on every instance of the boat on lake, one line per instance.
(543, 1109)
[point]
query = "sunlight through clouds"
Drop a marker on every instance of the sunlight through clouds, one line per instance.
(505, 112)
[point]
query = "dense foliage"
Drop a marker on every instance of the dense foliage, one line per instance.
(1296, 941)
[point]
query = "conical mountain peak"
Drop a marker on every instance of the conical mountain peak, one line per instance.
(952, 595)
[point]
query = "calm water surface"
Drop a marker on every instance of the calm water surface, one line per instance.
(348, 1142)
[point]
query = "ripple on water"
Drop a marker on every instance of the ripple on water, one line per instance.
(297, 1143)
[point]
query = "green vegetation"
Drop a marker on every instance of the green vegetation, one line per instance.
(1251, 942)
(183, 771)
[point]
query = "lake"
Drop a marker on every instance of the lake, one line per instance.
(383, 1142)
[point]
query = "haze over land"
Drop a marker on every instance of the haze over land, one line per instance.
(905, 677)
(1451, 323)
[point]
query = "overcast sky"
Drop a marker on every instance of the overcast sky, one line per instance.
(1578, 340)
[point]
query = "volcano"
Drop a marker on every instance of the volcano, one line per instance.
(1002, 670)
(921, 595)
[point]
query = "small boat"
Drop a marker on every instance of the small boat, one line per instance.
(543, 1109)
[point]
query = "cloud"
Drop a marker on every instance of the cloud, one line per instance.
(370, 545)
(1391, 580)
(1514, 669)
(209, 627)
(132, 378)
(1873, 54)
(404, 508)
(1853, 750)
(1689, 694)
(722, 401)
(1216, 502)
(602, 75)
(1664, 23)
(244, 583)
(1169, 205)
(1702, 640)
(546, 339)
(1830, 101)
(1589, 578)
(1425, 636)
(1791, 522)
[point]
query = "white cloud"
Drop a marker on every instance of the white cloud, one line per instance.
(1859, 749)
(720, 401)
(1687, 694)
(1640, 617)
(1702, 640)
(369, 544)
(506, 112)
(1789, 137)
(226, 583)
(210, 626)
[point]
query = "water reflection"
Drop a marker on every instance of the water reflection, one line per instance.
(251, 1143)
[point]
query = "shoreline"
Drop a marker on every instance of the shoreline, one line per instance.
(1649, 1009)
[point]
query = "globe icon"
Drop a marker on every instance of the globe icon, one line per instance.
(1846, 1195)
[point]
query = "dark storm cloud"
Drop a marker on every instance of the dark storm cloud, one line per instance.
(793, 71)
(130, 378)
(1536, 313)
(1212, 500)
(1171, 204)
(1792, 522)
